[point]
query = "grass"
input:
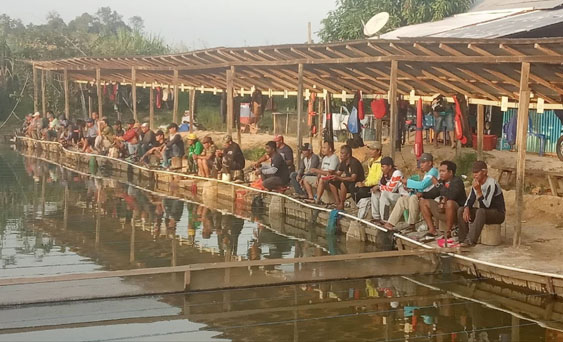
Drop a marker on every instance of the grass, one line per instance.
(253, 154)
(465, 163)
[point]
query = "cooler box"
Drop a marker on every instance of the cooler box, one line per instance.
(489, 142)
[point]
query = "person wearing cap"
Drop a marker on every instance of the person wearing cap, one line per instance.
(50, 133)
(130, 140)
(90, 135)
(284, 150)
(385, 194)
(308, 162)
(195, 149)
(487, 194)
(206, 159)
(232, 161)
(442, 202)
(106, 138)
(276, 174)
(174, 147)
(185, 126)
(156, 150)
(348, 174)
(417, 188)
(366, 188)
(148, 139)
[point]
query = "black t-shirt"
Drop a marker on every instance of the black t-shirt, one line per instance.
(353, 167)
(287, 154)
(149, 138)
(234, 154)
(279, 163)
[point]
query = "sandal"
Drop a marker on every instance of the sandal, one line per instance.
(309, 200)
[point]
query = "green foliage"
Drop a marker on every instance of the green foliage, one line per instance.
(345, 22)
(253, 154)
(464, 163)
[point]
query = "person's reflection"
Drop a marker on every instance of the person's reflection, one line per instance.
(173, 210)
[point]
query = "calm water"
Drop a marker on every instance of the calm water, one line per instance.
(54, 221)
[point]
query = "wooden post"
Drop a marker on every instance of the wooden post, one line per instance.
(67, 94)
(43, 96)
(151, 107)
(192, 109)
(523, 112)
(175, 110)
(394, 110)
(480, 130)
(275, 123)
(320, 125)
(379, 130)
(134, 92)
(35, 90)
(99, 92)
(230, 104)
(299, 113)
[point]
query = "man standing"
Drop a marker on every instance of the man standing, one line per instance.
(344, 181)
(276, 174)
(387, 193)
(488, 194)
(410, 202)
(233, 160)
(450, 193)
(309, 161)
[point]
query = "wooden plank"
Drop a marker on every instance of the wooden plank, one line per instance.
(66, 93)
(99, 91)
(134, 92)
(175, 108)
(480, 130)
(299, 113)
(151, 107)
(394, 110)
(553, 186)
(192, 108)
(43, 93)
(35, 90)
(230, 104)
(546, 50)
(523, 112)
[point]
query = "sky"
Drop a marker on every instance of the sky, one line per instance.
(197, 24)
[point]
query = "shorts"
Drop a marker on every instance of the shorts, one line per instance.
(350, 186)
(446, 121)
(311, 180)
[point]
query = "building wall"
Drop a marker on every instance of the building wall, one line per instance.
(547, 123)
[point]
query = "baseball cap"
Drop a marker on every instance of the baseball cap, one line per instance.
(206, 139)
(387, 161)
(376, 145)
(479, 165)
(227, 138)
(425, 157)
(278, 138)
(306, 147)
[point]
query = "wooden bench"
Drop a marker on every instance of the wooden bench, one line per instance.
(555, 179)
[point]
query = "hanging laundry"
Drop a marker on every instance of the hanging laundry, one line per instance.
(105, 90)
(361, 114)
(328, 132)
(165, 94)
(379, 108)
(158, 97)
(113, 93)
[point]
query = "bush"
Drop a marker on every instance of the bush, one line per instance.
(465, 163)
(253, 153)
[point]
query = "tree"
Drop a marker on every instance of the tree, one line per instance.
(345, 22)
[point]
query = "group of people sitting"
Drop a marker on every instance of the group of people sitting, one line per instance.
(385, 193)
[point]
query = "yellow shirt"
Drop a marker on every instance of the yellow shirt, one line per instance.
(374, 173)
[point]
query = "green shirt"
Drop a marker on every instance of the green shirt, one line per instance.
(195, 148)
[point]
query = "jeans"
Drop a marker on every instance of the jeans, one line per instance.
(479, 217)
(295, 184)
(171, 152)
(132, 148)
(271, 182)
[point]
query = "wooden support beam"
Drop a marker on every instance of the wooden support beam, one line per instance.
(134, 92)
(43, 93)
(66, 93)
(510, 50)
(230, 103)
(192, 108)
(151, 107)
(523, 112)
(479, 50)
(450, 50)
(299, 112)
(394, 109)
(466, 83)
(35, 90)
(546, 50)
(480, 130)
(175, 108)
(424, 50)
(447, 83)
(99, 92)
(482, 79)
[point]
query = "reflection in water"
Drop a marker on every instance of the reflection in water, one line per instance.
(54, 221)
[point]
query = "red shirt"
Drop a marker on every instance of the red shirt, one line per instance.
(130, 134)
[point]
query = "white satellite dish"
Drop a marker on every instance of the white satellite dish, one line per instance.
(375, 24)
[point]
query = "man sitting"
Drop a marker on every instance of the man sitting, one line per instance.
(195, 148)
(275, 175)
(205, 160)
(488, 194)
(366, 187)
(106, 138)
(410, 202)
(148, 139)
(90, 136)
(156, 150)
(386, 194)
(344, 181)
(450, 193)
(174, 147)
(309, 161)
(284, 150)
(130, 140)
(329, 165)
(232, 160)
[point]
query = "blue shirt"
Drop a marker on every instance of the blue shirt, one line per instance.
(425, 184)
(185, 127)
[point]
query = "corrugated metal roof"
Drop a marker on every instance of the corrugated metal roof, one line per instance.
(506, 26)
(492, 5)
(432, 29)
